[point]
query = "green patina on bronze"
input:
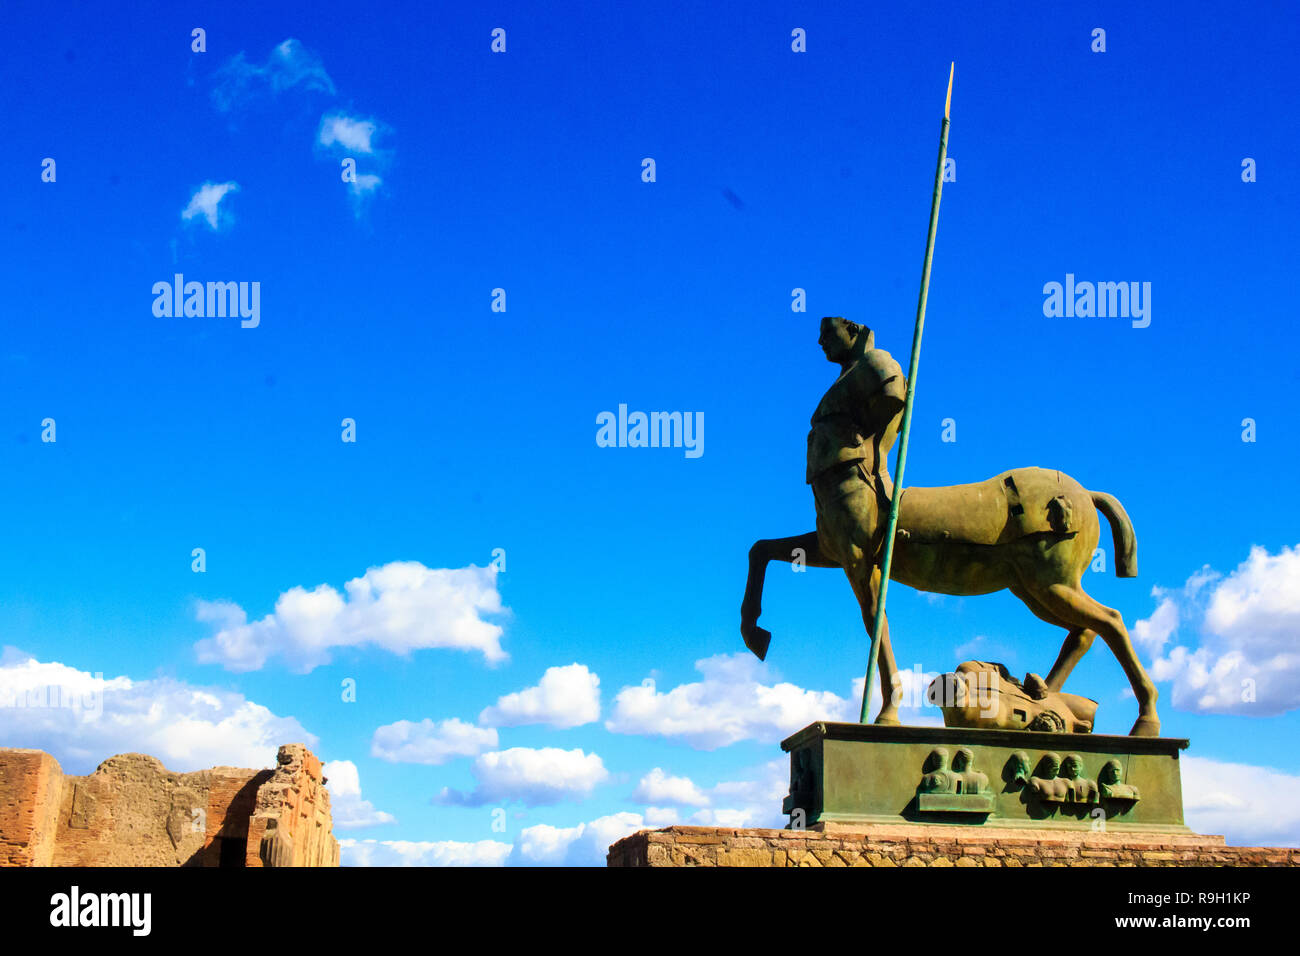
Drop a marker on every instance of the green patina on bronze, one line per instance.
(1013, 753)
(1031, 531)
(861, 774)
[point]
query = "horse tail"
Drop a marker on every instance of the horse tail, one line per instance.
(1121, 529)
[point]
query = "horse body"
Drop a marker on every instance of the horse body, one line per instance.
(1032, 531)
(991, 535)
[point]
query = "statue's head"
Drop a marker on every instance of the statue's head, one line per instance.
(841, 339)
(1111, 773)
(1072, 767)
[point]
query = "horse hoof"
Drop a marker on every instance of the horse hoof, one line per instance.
(887, 721)
(756, 638)
(1146, 727)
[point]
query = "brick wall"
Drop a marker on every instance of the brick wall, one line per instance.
(31, 784)
(931, 846)
(232, 797)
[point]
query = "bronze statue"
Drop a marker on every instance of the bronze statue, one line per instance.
(1031, 531)
(984, 694)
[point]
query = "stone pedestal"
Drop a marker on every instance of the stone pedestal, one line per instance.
(862, 795)
(858, 774)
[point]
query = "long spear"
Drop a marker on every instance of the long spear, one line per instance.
(888, 556)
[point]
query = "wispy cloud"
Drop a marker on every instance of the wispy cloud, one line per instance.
(338, 130)
(352, 137)
(205, 202)
(430, 742)
(289, 66)
(431, 853)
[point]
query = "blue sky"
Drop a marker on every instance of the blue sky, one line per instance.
(475, 429)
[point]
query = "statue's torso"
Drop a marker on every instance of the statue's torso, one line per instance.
(841, 430)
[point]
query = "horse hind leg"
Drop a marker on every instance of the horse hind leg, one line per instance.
(1077, 641)
(1072, 604)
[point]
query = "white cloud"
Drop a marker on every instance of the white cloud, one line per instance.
(752, 802)
(347, 809)
(1250, 806)
(408, 853)
(533, 777)
(205, 201)
(914, 706)
(565, 697)
(430, 743)
(1154, 632)
(364, 184)
(353, 135)
(1243, 658)
(659, 787)
(656, 817)
(400, 607)
(727, 817)
(583, 845)
(290, 65)
(730, 704)
(82, 718)
(542, 845)
(361, 189)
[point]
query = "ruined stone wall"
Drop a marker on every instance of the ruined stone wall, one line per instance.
(932, 846)
(31, 784)
(133, 811)
(292, 825)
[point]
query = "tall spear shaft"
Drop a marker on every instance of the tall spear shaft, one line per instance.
(903, 431)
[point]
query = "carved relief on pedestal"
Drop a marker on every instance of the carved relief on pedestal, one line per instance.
(1066, 782)
(958, 788)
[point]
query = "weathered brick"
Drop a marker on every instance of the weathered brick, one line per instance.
(911, 846)
(745, 856)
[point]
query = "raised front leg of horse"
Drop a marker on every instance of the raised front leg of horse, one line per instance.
(863, 577)
(803, 547)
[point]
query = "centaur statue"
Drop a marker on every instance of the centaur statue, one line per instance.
(1031, 531)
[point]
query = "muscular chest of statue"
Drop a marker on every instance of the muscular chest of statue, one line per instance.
(838, 434)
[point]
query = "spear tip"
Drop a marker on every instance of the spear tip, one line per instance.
(948, 102)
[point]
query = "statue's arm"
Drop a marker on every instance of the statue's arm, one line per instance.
(882, 390)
